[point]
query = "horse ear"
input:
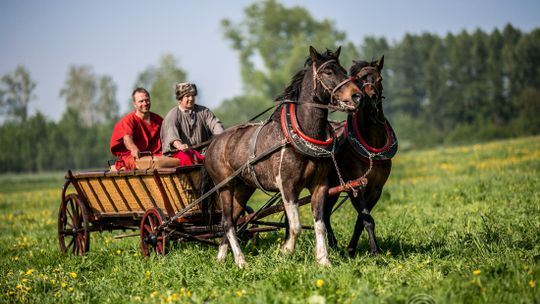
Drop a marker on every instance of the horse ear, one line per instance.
(380, 63)
(336, 53)
(313, 54)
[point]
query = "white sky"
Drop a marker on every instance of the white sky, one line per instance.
(122, 38)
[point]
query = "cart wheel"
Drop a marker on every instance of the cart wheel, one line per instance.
(73, 229)
(151, 238)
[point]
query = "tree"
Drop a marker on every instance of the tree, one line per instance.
(93, 97)
(272, 42)
(79, 92)
(16, 94)
(106, 107)
(160, 82)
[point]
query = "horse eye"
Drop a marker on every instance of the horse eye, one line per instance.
(328, 72)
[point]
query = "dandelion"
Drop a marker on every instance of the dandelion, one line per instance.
(532, 283)
(19, 286)
(240, 293)
(319, 283)
(73, 275)
(118, 251)
(147, 273)
(24, 280)
(63, 284)
(154, 294)
(71, 289)
(477, 272)
(29, 271)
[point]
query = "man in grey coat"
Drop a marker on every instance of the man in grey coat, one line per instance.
(186, 125)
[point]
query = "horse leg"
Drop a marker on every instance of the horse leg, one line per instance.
(228, 214)
(358, 226)
(369, 223)
(328, 206)
(289, 198)
(318, 198)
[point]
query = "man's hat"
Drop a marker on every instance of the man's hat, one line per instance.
(185, 88)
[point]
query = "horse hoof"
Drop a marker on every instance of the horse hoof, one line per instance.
(241, 263)
(287, 248)
(324, 262)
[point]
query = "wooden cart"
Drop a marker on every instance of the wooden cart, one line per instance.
(163, 204)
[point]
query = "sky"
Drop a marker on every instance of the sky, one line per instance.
(123, 38)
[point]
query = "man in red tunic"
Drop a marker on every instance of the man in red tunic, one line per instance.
(136, 132)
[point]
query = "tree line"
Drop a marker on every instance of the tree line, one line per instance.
(460, 88)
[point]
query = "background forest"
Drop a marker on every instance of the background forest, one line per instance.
(460, 88)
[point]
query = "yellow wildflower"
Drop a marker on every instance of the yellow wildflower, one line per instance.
(477, 272)
(29, 271)
(73, 275)
(532, 283)
(240, 293)
(154, 294)
(24, 280)
(63, 284)
(319, 283)
(148, 273)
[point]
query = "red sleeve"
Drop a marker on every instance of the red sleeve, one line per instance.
(124, 127)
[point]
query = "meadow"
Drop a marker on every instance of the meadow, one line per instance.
(455, 225)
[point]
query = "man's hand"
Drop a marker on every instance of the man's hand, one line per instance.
(180, 146)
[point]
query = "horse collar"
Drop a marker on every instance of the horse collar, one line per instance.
(360, 146)
(301, 142)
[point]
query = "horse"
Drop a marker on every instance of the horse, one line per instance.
(291, 148)
(368, 143)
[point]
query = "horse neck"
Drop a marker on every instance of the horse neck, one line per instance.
(373, 131)
(312, 121)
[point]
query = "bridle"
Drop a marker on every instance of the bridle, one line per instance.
(363, 72)
(317, 79)
(377, 99)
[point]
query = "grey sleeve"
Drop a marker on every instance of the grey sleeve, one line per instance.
(214, 124)
(169, 131)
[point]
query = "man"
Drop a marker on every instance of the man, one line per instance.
(187, 125)
(136, 132)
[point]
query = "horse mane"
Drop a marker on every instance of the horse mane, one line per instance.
(357, 66)
(293, 90)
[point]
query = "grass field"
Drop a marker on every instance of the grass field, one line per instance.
(455, 225)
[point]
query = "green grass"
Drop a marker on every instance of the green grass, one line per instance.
(458, 225)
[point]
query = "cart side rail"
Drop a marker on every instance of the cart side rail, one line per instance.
(131, 193)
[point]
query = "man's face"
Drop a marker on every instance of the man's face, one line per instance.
(187, 102)
(141, 102)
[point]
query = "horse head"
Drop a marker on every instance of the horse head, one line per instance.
(368, 77)
(331, 82)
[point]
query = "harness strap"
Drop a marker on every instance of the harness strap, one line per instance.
(252, 155)
(222, 183)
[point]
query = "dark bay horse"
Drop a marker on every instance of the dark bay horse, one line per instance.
(368, 144)
(295, 143)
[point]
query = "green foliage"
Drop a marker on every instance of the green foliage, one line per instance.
(16, 93)
(160, 82)
(457, 225)
(273, 42)
(92, 97)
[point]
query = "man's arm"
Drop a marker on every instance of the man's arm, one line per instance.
(131, 146)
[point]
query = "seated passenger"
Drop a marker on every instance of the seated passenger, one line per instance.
(136, 132)
(186, 125)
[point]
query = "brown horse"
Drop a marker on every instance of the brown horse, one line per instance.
(368, 144)
(293, 147)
